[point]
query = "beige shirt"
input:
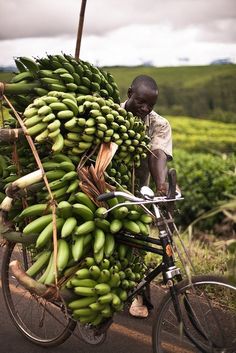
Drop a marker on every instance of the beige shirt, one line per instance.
(159, 131)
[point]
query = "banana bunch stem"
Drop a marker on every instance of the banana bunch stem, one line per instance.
(19, 88)
(36, 287)
(24, 182)
(26, 281)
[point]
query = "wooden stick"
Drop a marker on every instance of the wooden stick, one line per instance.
(10, 135)
(80, 29)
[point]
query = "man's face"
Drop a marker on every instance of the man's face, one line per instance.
(141, 101)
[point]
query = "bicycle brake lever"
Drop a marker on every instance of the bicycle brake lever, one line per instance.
(172, 180)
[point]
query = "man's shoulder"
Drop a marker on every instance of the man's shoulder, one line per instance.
(155, 118)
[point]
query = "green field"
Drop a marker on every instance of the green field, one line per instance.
(197, 91)
(197, 135)
(184, 76)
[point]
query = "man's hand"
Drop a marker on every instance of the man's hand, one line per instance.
(162, 189)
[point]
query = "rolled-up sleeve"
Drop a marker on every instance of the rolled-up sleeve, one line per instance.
(161, 135)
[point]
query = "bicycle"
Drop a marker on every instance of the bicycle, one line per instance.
(198, 314)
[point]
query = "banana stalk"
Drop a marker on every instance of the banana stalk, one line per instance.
(25, 280)
(6, 204)
(35, 287)
(19, 88)
(24, 182)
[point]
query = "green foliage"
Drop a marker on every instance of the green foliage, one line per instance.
(205, 181)
(204, 157)
(207, 257)
(5, 76)
(198, 91)
(197, 135)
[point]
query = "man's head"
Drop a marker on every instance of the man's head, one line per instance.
(142, 96)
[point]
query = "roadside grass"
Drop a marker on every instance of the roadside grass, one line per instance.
(207, 257)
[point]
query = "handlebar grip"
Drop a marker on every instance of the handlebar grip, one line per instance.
(172, 180)
(106, 196)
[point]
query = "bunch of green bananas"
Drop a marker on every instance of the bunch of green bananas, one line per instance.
(102, 290)
(61, 73)
(12, 166)
(62, 176)
(119, 173)
(4, 166)
(86, 227)
(4, 173)
(70, 107)
(75, 125)
(100, 286)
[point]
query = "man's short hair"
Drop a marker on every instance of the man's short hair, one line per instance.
(144, 80)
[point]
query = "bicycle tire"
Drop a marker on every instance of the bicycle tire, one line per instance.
(40, 321)
(208, 318)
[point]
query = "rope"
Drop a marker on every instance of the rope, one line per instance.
(52, 202)
(2, 87)
(150, 151)
(133, 178)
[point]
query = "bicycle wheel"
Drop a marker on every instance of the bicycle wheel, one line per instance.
(40, 321)
(207, 318)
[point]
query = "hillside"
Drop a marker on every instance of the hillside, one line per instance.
(200, 91)
(186, 76)
(197, 91)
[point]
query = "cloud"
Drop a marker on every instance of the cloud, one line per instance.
(121, 32)
(222, 31)
(170, 49)
(38, 18)
(42, 18)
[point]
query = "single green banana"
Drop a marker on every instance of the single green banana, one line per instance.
(38, 224)
(63, 254)
(68, 227)
(46, 234)
(39, 264)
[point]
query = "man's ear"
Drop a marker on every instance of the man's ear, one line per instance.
(129, 93)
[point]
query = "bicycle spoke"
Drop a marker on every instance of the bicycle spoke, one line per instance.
(44, 323)
(207, 323)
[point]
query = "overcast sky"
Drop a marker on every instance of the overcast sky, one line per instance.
(121, 32)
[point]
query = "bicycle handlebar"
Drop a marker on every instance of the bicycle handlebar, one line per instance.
(132, 198)
(172, 194)
(106, 196)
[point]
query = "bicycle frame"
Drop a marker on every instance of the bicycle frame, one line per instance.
(166, 266)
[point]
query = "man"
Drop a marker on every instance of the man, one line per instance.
(142, 97)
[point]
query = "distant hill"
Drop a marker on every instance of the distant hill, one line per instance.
(8, 69)
(198, 91)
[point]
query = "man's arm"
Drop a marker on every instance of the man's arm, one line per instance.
(157, 162)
